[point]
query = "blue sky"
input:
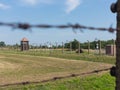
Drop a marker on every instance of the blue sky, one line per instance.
(85, 12)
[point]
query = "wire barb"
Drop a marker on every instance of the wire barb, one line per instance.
(26, 26)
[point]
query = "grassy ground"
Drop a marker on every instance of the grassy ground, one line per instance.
(94, 82)
(66, 55)
(20, 68)
(16, 66)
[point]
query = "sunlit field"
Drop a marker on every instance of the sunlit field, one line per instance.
(38, 65)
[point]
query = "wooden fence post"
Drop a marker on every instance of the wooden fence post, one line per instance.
(78, 47)
(62, 47)
(115, 7)
(88, 47)
(99, 47)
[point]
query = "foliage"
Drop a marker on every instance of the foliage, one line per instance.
(16, 46)
(93, 44)
(74, 44)
(2, 44)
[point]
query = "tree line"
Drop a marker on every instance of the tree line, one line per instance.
(74, 44)
(93, 45)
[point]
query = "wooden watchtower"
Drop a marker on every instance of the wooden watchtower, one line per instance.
(24, 44)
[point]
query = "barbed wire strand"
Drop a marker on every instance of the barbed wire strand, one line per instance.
(26, 26)
(56, 78)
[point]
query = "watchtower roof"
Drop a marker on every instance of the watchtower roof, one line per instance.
(24, 39)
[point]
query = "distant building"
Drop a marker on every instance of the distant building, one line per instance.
(24, 44)
(111, 50)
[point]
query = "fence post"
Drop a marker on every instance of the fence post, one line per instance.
(50, 48)
(56, 46)
(70, 47)
(115, 7)
(78, 47)
(62, 47)
(114, 47)
(88, 47)
(118, 48)
(99, 47)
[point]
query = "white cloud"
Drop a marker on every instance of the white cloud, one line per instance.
(72, 5)
(31, 2)
(34, 2)
(4, 6)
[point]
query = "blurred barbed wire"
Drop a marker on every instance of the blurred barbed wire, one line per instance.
(27, 26)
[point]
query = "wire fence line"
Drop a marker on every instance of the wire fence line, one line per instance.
(56, 78)
(27, 26)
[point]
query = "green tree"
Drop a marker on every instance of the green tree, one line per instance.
(16, 46)
(75, 44)
(2, 44)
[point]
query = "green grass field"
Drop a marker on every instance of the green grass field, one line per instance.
(66, 55)
(16, 67)
(94, 82)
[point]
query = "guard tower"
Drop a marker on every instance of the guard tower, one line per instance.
(24, 44)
